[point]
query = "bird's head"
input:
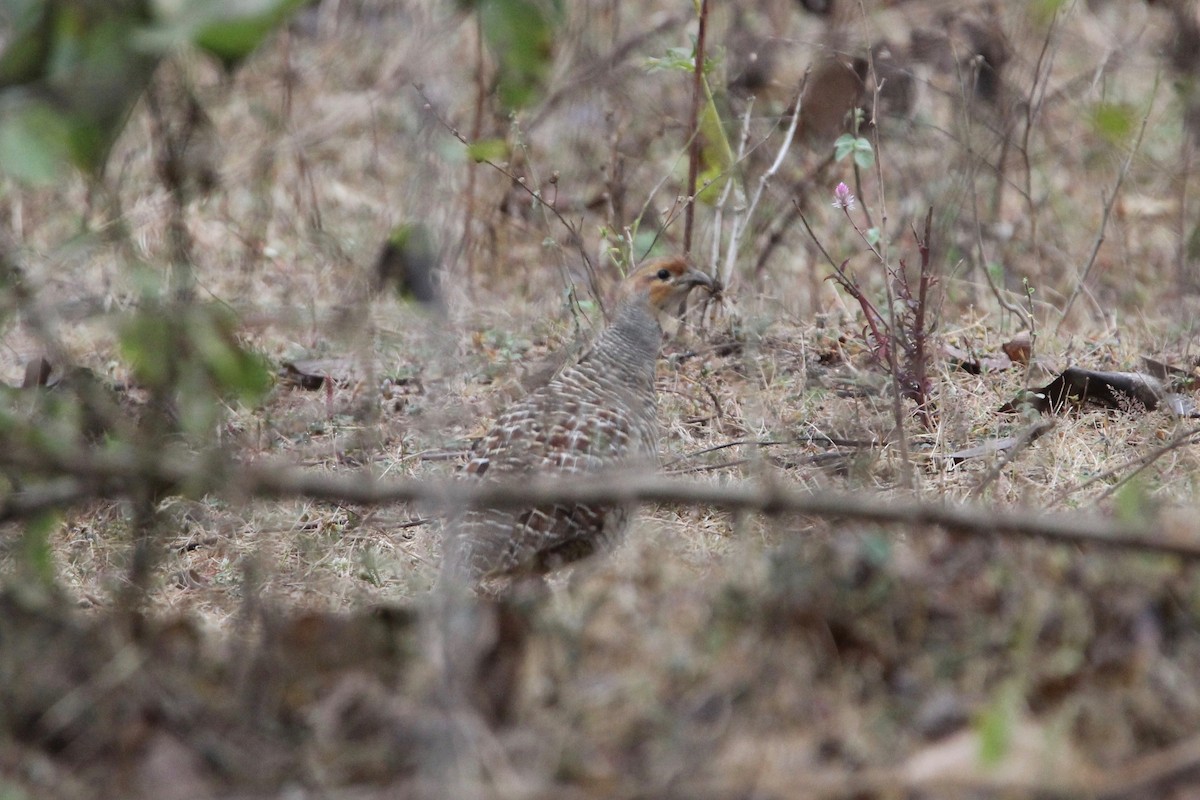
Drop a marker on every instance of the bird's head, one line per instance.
(663, 282)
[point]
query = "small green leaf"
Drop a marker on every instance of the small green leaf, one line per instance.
(35, 140)
(681, 59)
(493, 150)
(230, 30)
(233, 369)
(1044, 10)
(716, 154)
(521, 35)
(873, 236)
(648, 244)
(145, 341)
(1132, 502)
(843, 147)
(1114, 122)
(864, 154)
(29, 40)
(848, 144)
(35, 547)
(193, 350)
(995, 725)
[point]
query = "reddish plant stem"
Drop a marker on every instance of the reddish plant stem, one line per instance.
(919, 356)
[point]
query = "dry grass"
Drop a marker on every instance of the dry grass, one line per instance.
(713, 655)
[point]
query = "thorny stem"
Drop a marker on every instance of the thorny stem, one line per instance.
(881, 338)
(919, 359)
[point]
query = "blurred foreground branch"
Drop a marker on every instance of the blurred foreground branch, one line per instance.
(99, 474)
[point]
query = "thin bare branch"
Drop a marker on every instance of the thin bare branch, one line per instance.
(694, 155)
(1109, 202)
(108, 473)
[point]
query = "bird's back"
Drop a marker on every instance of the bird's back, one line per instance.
(595, 417)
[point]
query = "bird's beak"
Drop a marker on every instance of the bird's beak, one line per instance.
(694, 277)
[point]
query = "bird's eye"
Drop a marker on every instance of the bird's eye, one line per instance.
(664, 275)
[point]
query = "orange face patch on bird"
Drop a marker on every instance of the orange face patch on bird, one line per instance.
(664, 281)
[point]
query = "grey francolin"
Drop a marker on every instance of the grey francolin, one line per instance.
(597, 416)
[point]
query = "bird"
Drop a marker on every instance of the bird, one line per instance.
(597, 416)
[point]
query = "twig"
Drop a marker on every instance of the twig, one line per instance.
(813, 236)
(782, 223)
(694, 155)
(727, 190)
(1027, 435)
(1182, 439)
(109, 473)
(517, 181)
(741, 218)
(48, 496)
(1032, 107)
(1109, 202)
(603, 68)
(468, 235)
(1007, 305)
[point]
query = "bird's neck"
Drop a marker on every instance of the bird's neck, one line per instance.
(631, 341)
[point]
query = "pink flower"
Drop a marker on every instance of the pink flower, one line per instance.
(842, 198)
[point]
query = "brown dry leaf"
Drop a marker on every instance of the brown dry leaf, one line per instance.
(1019, 348)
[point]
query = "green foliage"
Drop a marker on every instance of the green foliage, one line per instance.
(520, 34)
(1114, 122)
(408, 262)
(28, 49)
(487, 150)
(859, 147)
(716, 153)
(1043, 11)
(193, 351)
(234, 30)
(680, 59)
(229, 30)
(1132, 502)
(73, 69)
(35, 139)
(36, 552)
(995, 724)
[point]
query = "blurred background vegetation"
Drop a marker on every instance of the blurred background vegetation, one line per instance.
(340, 234)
